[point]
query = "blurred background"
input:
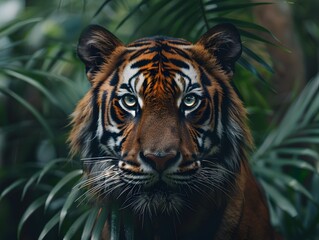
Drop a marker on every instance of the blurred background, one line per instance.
(41, 80)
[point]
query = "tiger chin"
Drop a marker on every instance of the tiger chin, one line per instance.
(163, 135)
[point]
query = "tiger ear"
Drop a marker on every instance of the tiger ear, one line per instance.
(96, 44)
(223, 42)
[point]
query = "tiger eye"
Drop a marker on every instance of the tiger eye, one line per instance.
(190, 100)
(129, 101)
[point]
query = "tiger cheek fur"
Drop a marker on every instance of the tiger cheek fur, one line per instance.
(163, 134)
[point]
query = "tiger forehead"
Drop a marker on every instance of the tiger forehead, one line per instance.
(159, 65)
(160, 40)
(159, 55)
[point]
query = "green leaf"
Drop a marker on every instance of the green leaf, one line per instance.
(53, 221)
(309, 140)
(101, 8)
(245, 24)
(258, 38)
(258, 59)
(48, 166)
(306, 152)
(29, 183)
(243, 62)
(11, 187)
(291, 162)
(65, 180)
(238, 6)
(89, 224)
(68, 203)
(204, 14)
(16, 26)
(128, 225)
(30, 210)
(115, 222)
(294, 118)
(30, 108)
(314, 106)
(100, 222)
(75, 226)
(131, 13)
(284, 179)
(280, 200)
(34, 83)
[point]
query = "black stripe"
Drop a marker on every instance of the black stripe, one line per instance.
(204, 78)
(139, 43)
(227, 148)
(141, 63)
(94, 149)
(205, 115)
(137, 54)
(115, 79)
(193, 86)
(181, 53)
(216, 110)
(103, 108)
(179, 63)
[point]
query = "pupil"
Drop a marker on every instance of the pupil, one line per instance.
(189, 100)
(130, 100)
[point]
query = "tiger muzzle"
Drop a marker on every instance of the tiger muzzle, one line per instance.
(160, 161)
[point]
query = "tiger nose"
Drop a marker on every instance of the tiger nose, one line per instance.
(159, 160)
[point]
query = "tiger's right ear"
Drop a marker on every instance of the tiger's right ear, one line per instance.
(96, 44)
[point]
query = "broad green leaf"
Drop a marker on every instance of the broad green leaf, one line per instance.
(100, 222)
(75, 226)
(65, 180)
(30, 210)
(89, 224)
(280, 200)
(11, 187)
(53, 221)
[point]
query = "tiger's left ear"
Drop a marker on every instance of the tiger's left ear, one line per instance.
(223, 42)
(95, 47)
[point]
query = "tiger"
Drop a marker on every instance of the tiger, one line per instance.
(164, 135)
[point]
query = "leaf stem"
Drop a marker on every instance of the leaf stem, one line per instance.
(202, 7)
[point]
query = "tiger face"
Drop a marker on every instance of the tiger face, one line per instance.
(161, 125)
